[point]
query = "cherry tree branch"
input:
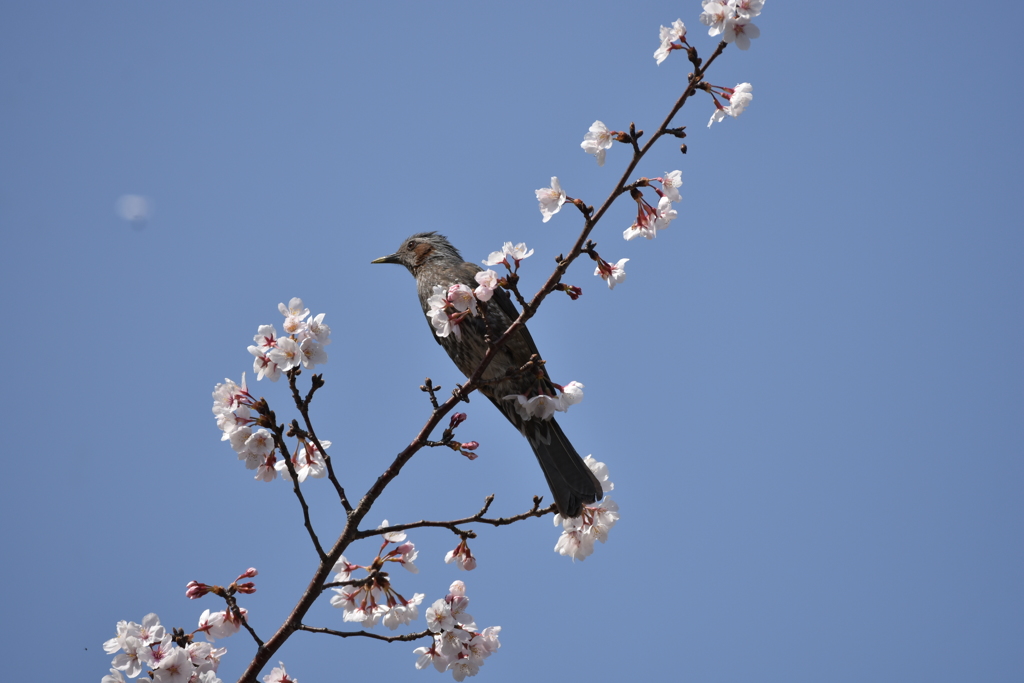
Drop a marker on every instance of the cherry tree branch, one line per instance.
(316, 382)
(282, 447)
(366, 634)
(535, 511)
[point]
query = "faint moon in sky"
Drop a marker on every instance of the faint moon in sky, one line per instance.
(133, 208)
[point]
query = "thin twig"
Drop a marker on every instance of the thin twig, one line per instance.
(278, 432)
(233, 606)
(535, 511)
(366, 634)
(303, 406)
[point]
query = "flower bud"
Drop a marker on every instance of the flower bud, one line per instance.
(194, 590)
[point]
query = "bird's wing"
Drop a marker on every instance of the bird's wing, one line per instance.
(509, 309)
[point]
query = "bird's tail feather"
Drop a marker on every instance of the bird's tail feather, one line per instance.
(572, 483)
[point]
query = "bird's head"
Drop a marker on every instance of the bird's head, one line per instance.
(420, 249)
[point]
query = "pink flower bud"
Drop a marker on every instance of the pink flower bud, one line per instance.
(470, 445)
(194, 590)
(457, 419)
(247, 588)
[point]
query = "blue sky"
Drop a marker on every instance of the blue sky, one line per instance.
(808, 391)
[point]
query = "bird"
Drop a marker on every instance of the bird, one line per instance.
(434, 261)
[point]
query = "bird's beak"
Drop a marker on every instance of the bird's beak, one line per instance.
(393, 258)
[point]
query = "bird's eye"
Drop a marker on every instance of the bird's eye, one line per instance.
(410, 246)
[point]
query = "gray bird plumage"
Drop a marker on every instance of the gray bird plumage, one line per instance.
(432, 260)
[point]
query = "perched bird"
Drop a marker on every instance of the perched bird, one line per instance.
(432, 260)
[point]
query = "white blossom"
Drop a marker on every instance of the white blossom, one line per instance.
(541, 407)
(741, 32)
(741, 96)
(286, 355)
(279, 675)
(313, 354)
(747, 9)
(266, 337)
(318, 329)
(613, 273)
(495, 258)
(175, 668)
(670, 183)
(461, 297)
(669, 34)
(488, 281)
(666, 214)
(113, 677)
(580, 533)
(518, 252)
(643, 226)
(551, 199)
(597, 141)
(716, 16)
(572, 393)
(442, 325)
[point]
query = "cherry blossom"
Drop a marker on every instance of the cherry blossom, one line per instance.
(580, 533)
(294, 313)
(266, 337)
(457, 646)
(461, 297)
(115, 677)
(462, 556)
(405, 554)
(719, 114)
(518, 252)
(669, 35)
(216, 625)
(312, 353)
(670, 183)
(488, 281)
(613, 273)
(541, 407)
(739, 98)
(600, 471)
(129, 660)
(716, 16)
(508, 251)
(740, 32)
(494, 258)
(597, 141)
(665, 215)
(747, 9)
(175, 668)
(551, 199)
(286, 354)
(267, 470)
(279, 675)
(572, 393)
(318, 330)
(263, 366)
(307, 461)
(439, 319)
(649, 220)
(228, 396)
